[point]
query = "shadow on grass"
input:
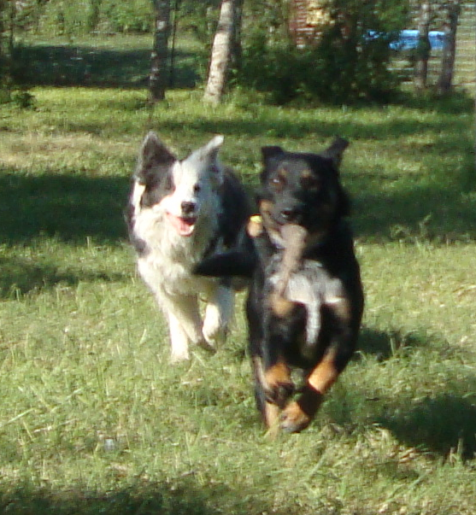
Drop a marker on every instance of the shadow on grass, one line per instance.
(91, 66)
(459, 102)
(69, 207)
(186, 498)
(384, 345)
(264, 123)
(430, 212)
(442, 424)
(21, 276)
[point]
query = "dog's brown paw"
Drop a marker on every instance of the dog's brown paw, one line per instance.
(293, 419)
(299, 414)
(278, 386)
(279, 393)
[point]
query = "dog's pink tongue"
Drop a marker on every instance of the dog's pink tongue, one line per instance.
(184, 226)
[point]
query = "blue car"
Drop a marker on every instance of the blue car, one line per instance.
(408, 39)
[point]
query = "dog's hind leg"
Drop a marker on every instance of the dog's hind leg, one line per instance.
(218, 315)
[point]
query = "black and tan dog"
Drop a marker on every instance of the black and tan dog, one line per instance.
(305, 300)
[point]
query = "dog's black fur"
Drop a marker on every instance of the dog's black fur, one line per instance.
(315, 326)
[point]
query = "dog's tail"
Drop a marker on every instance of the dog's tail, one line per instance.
(233, 263)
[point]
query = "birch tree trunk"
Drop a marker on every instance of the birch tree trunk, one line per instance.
(236, 48)
(445, 82)
(2, 42)
(159, 56)
(7, 18)
(423, 48)
(221, 53)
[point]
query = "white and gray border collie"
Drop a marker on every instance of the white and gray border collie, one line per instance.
(181, 211)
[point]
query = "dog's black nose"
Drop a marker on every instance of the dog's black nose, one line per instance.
(187, 207)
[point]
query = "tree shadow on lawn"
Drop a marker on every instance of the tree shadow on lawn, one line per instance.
(391, 207)
(69, 207)
(441, 423)
(263, 123)
(385, 344)
(96, 67)
(186, 497)
(21, 276)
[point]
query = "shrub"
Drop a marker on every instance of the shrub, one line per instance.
(69, 18)
(344, 64)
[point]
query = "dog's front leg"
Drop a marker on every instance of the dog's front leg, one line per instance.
(278, 384)
(184, 324)
(218, 314)
(299, 414)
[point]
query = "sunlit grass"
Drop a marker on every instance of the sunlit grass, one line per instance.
(94, 419)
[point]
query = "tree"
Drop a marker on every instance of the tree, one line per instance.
(222, 52)
(339, 52)
(7, 23)
(4, 43)
(423, 49)
(159, 57)
(453, 10)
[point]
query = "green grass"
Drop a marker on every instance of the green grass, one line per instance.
(94, 419)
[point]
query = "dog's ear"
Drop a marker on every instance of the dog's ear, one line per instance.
(270, 152)
(153, 157)
(208, 156)
(211, 149)
(336, 151)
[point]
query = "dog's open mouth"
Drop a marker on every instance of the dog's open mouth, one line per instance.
(184, 226)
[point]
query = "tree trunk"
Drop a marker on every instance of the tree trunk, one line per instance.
(445, 82)
(7, 15)
(221, 53)
(159, 56)
(2, 41)
(423, 49)
(236, 49)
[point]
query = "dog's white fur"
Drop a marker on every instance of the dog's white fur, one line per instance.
(166, 266)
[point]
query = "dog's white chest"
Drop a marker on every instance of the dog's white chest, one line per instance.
(312, 287)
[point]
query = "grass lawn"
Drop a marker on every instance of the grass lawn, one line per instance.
(94, 419)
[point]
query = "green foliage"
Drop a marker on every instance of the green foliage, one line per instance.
(199, 18)
(63, 17)
(343, 64)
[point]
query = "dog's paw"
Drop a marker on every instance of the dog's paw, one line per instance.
(279, 393)
(217, 317)
(277, 384)
(293, 418)
(214, 336)
(178, 356)
(299, 414)
(208, 346)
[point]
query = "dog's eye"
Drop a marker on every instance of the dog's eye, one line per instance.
(278, 182)
(197, 188)
(310, 183)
